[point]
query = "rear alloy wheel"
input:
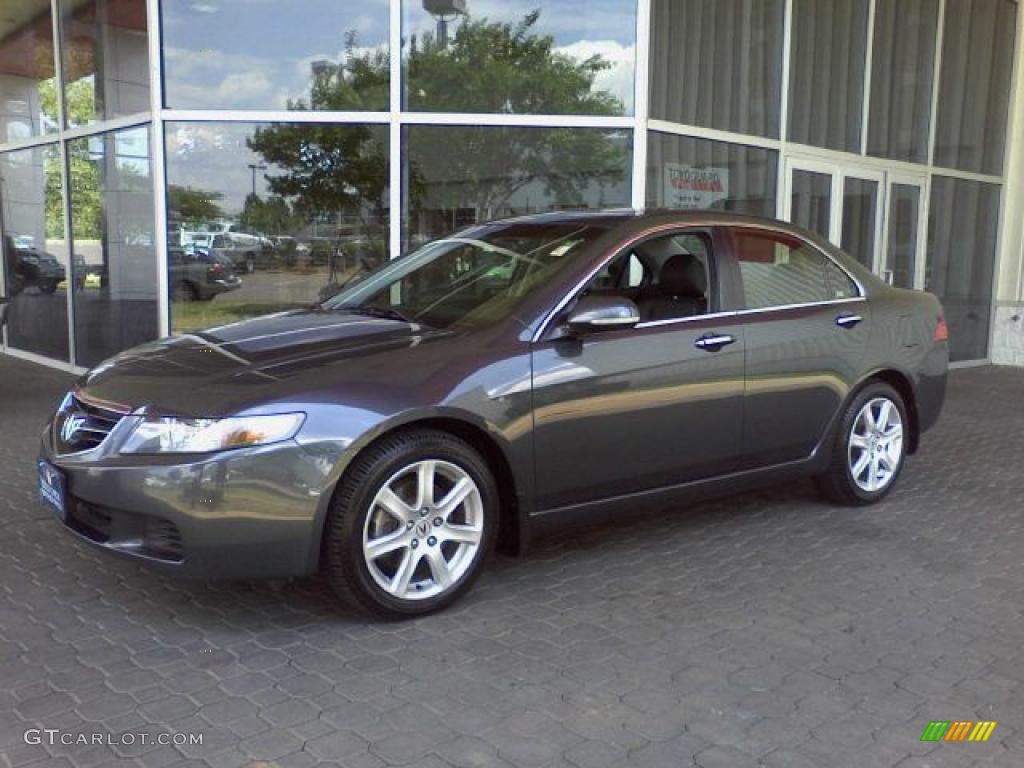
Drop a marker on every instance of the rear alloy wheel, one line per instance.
(870, 448)
(412, 524)
(875, 445)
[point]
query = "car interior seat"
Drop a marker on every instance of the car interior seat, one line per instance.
(680, 291)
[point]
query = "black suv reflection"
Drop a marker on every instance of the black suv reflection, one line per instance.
(29, 266)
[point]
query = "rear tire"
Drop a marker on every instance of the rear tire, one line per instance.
(870, 448)
(183, 291)
(411, 525)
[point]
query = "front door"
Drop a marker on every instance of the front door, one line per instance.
(622, 411)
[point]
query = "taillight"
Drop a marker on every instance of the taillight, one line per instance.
(941, 330)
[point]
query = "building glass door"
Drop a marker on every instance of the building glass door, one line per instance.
(904, 225)
(808, 196)
(847, 205)
(861, 222)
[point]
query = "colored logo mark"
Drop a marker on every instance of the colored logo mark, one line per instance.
(959, 730)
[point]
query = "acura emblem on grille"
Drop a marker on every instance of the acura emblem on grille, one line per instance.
(70, 428)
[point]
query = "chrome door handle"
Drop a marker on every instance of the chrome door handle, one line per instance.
(712, 342)
(848, 321)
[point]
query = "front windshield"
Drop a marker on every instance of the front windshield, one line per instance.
(467, 281)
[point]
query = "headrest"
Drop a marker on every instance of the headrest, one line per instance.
(683, 275)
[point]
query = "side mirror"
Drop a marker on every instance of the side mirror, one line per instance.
(603, 313)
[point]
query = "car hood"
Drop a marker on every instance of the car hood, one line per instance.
(229, 368)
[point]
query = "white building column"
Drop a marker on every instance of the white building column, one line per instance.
(1008, 329)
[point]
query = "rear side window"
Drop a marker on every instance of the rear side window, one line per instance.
(779, 270)
(840, 285)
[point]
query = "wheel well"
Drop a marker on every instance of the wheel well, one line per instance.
(508, 523)
(902, 384)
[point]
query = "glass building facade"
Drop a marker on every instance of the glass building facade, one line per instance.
(168, 166)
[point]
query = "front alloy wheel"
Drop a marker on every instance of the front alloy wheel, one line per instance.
(424, 529)
(411, 524)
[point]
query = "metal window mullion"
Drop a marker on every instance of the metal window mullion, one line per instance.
(836, 198)
(713, 134)
(65, 193)
(273, 116)
(157, 165)
(107, 126)
(869, 53)
(641, 107)
(782, 181)
(923, 218)
(787, 53)
(936, 77)
(883, 164)
(29, 143)
(395, 128)
(65, 182)
(504, 120)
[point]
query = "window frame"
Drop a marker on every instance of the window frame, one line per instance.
(716, 280)
(714, 294)
(740, 293)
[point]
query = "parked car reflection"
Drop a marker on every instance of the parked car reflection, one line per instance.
(30, 267)
(200, 274)
(248, 252)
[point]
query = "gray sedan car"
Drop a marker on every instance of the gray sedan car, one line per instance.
(509, 378)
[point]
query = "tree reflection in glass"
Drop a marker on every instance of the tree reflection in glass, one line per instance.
(292, 211)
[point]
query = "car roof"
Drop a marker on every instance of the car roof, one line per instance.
(626, 222)
(640, 218)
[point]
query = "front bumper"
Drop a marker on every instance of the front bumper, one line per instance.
(251, 513)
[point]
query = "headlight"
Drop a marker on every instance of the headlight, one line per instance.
(170, 435)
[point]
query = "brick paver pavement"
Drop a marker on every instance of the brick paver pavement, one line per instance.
(767, 629)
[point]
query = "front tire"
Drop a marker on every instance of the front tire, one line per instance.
(870, 448)
(411, 525)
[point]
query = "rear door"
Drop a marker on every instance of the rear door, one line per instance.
(806, 326)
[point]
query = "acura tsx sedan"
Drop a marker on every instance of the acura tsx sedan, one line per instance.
(512, 377)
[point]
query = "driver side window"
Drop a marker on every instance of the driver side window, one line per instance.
(620, 276)
(666, 277)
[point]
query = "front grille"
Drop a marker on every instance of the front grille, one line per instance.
(81, 425)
